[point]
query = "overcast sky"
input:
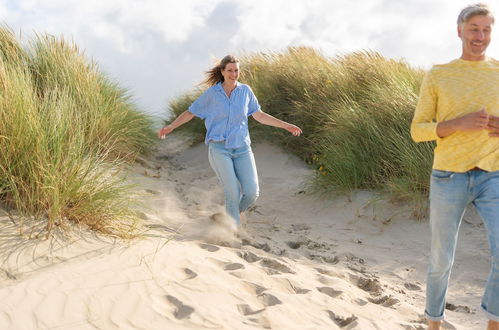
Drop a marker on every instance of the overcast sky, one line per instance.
(160, 48)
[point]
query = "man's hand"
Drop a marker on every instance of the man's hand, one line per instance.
(474, 121)
(493, 126)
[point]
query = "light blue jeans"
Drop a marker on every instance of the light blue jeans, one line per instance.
(236, 170)
(450, 193)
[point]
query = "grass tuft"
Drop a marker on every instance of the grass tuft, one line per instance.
(66, 130)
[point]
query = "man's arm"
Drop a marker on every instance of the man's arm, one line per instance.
(474, 121)
(423, 126)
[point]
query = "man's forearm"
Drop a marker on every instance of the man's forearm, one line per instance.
(446, 128)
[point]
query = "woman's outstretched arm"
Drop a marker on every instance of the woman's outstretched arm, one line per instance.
(267, 119)
(183, 118)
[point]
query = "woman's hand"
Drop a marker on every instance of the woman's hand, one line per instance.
(182, 119)
(165, 131)
(293, 129)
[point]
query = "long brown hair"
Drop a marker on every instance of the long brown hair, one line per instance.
(214, 75)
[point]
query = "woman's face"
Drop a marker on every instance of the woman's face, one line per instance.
(231, 72)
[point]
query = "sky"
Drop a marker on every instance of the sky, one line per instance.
(160, 49)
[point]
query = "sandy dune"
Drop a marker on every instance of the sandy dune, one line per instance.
(351, 262)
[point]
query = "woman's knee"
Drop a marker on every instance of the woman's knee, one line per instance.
(252, 194)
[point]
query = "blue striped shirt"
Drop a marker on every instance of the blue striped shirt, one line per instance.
(226, 119)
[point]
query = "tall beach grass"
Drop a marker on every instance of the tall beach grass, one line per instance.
(355, 112)
(65, 132)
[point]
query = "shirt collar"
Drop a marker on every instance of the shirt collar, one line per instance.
(219, 85)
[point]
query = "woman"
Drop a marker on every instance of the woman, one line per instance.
(225, 108)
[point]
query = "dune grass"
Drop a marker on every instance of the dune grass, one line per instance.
(65, 132)
(355, 112)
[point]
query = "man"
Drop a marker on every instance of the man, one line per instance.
(459, 108)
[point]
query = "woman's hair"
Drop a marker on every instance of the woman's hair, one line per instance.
(214, 75)
(474, 10)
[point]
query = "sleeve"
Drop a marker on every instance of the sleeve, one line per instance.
(424, 126)
(199, 107)
(253, 105)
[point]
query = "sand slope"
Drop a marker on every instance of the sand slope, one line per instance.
(351, 262)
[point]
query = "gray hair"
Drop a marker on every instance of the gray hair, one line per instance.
(474, 10)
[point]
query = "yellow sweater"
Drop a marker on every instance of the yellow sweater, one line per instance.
(452, 90)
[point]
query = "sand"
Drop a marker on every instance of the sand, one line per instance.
(304, 262)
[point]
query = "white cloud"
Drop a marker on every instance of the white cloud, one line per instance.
(173, 20)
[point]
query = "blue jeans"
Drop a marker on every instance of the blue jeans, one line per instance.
(450, 193)
(236, 170)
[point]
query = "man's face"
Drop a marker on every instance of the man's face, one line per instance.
(475, 35)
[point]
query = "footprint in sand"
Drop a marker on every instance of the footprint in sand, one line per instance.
(275, 266)
(249, 256)
(288, 286)
(268, 300)
(458, 308)
(189, 274)
(261, 246)
(209, 247)
(254, 288)
(367, 284)
(341, 321)
(373, 286)
(181, 311)
(301, 291)
(163, 304)
(385, 301)
(324, 258)
(297, 289)
(233, 266)
(360, 302)
(298, 242)
(412, 287)
(271, 271)
(246, 310)
(330, 291)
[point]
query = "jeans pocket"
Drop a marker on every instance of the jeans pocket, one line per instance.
(442, 175)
